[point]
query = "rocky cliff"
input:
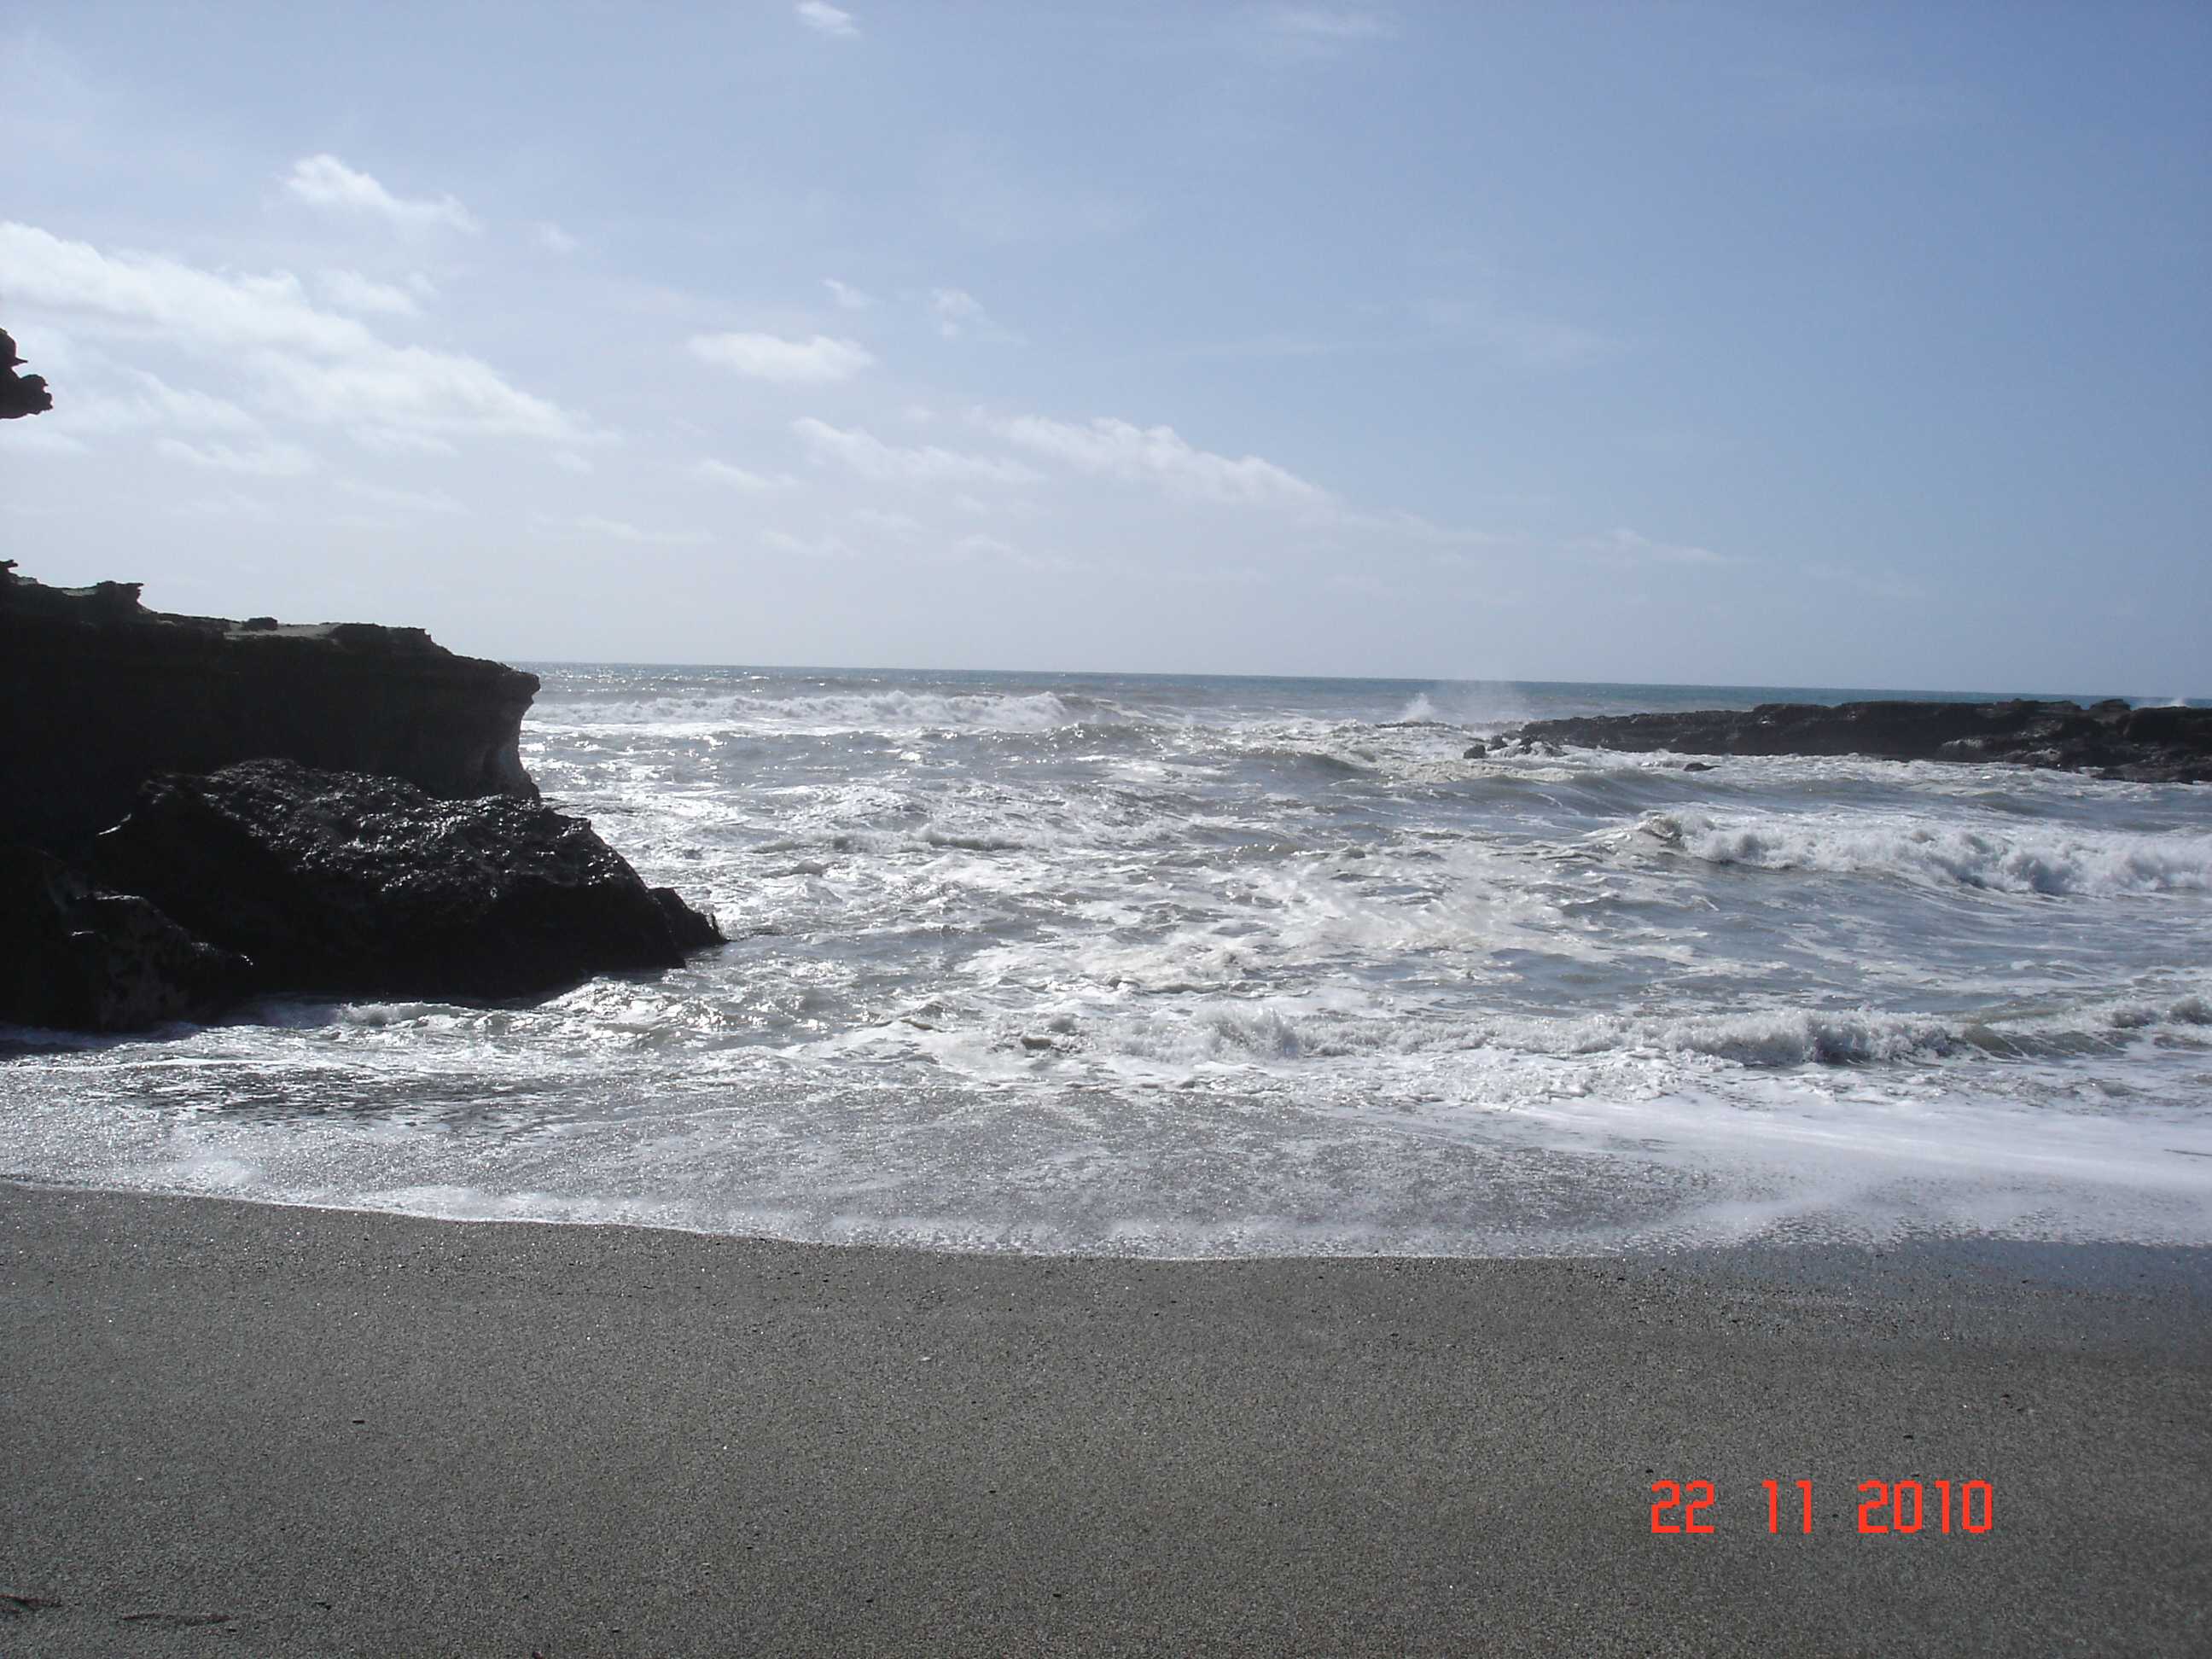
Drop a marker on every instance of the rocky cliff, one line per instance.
(2111, 740)
(100, 694)
(245, 808)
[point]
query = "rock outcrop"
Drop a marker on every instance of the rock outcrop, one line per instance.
(98, 694)
(20, 394)
(2111, 740)
(74, 956)
(346, 885)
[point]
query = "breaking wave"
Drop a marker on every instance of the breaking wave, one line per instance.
(2053, 862)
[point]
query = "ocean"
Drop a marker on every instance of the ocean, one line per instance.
(1187, 966)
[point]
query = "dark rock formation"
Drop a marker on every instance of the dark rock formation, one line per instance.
(351, 885)
(98, 694)
(74, 957)
(2152, 746)
(20, 394)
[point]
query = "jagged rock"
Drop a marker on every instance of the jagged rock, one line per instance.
(2110, 738)
(98, 694)
(20, 394)
(691, 930)
(75, 957)
(346, 885)
(1476, 751)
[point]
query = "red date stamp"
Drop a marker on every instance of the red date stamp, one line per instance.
(1886, 1506)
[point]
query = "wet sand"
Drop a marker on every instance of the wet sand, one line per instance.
(240, 1428)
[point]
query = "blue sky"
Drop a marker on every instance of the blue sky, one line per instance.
(1778, 344)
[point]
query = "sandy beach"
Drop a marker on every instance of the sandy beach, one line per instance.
(248, 1429)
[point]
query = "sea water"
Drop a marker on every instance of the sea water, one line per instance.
(1204, 966)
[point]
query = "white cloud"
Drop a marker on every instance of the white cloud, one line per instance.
(619, 531)
(151, 401)
(412, 390)
(569, 461)
(269, 461)
(869, 456)
(1118, 449)
(826, 18)
(770, 357)
(349, 290)
(739, 478)
(37, 268)
(554, 240)
(324, 181)
(314, 364)
(848, 297)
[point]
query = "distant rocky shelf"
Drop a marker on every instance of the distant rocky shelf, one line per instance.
(2112, 739)
(196, 811)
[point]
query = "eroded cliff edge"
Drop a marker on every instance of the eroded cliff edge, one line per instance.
(98, 694)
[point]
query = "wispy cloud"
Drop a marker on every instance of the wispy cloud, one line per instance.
(1530, 339)
(904, 527)
(267, 461)
(959, 312)
(403, 501)
(771, 357)
(1158, 454)
(148, 400)
(865, 453)
(325, 182)
(825, 19)
(349, 290)
(741, 479)
(228, 504)
(1625, 546)
(554, 240)
(847, 297)
(618, 530)
(1320, 31)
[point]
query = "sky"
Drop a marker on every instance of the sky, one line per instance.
(1780, 344)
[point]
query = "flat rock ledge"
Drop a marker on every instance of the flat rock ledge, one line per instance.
(98, 693)
(2111, 740)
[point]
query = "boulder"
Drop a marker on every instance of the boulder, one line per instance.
(347, 884)
(74, 956)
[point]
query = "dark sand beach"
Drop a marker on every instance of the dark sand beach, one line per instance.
(255, 1430)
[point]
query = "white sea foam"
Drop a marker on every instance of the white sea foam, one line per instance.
(1213, 969)
(2050, 861)
(885, 711)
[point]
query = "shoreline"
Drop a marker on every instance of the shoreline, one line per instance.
(349, 1431)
